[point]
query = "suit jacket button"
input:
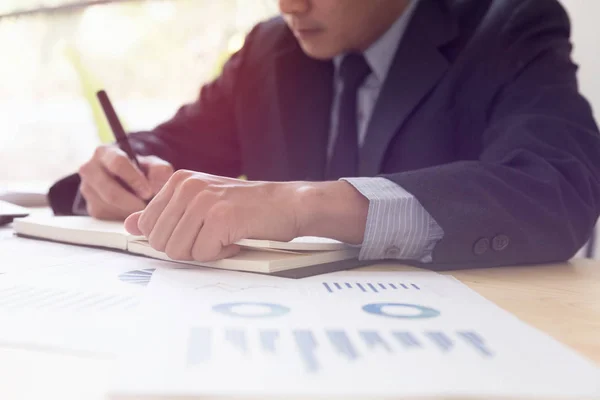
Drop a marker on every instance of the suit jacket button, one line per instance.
(500, 242)
(392, 252)
(481, 246)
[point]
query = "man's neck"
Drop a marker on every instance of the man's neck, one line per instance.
(382, 26)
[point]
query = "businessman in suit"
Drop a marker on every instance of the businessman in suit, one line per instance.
(448, 133)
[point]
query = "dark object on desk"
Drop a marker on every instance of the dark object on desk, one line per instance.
(9, 211)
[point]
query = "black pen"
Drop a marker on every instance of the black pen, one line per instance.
(117, 128)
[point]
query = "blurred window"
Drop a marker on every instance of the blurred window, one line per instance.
(150, 55)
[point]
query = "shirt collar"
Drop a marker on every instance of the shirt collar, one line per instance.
(381, 53)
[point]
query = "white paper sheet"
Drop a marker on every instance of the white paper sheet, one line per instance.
(353, 334)
(66, 298)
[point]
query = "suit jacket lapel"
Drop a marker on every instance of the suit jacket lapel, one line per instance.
(417, 67)
(305, 93)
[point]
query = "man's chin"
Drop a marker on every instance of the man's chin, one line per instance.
(317, 52)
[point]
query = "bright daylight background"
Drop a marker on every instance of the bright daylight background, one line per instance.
(150, 55)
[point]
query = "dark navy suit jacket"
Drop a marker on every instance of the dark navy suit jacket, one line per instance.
(480, 118)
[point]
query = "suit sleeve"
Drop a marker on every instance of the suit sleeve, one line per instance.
(202, 136)
(533, 195)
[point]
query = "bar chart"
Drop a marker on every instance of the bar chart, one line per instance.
(346, 345)
(369, 287)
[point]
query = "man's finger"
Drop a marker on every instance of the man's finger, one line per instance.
(156, 206)
(112, 192)
(118, 164)
(166, 223)
(96, 207)
(181, 242)
(158, 171)
(131, 224)
(213, 239)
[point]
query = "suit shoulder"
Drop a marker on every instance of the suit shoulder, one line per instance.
(267, 38)
(501, 24)
(507, 15)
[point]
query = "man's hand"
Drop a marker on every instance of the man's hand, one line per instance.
(200, 217)
(103, 176)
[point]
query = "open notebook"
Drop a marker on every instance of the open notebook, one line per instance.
(262, 256)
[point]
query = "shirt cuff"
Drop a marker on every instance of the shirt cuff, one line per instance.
(398, 226)
(79, 205)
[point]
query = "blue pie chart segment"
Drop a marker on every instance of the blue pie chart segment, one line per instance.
(401, 311)
(251, 310)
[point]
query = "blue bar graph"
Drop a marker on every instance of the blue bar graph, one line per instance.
(372, 287)
(199, 346)
(307, 345)
(237, 338)
(441, 340)
(202, 340)
(476, 341)
(341, 342)
(267, 341)
(374, 340)
(406, 339)
(368, 287)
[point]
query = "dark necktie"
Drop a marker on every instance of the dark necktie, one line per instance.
(344, 157)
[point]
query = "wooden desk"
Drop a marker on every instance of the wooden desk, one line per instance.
(561, 300)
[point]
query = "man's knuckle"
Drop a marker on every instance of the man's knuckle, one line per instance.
(181, 175)
(190, 186)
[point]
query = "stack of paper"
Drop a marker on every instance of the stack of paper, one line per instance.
(69, 299)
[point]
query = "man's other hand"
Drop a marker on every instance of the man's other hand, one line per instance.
(200, 217)
(114, 187)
